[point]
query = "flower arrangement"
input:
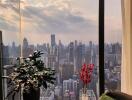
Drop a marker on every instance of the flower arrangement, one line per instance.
(31, 74)
(85, 74)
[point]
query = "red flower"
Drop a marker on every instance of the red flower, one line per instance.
(86, 73)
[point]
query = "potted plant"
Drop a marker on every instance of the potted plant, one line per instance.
(30, 75)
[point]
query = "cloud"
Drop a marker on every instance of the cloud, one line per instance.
(62, 17)
(55, 17)
(51, 20)
(7, 25)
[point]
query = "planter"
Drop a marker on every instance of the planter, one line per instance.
(84, 94)
(85, 97)
(33, 94)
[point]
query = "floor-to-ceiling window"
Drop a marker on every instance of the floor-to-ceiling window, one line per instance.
(65, 30)
(113, 44)
(9, 25)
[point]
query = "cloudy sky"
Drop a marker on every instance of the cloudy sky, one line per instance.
(69, 19)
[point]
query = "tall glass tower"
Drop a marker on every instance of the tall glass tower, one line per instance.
(53, 43)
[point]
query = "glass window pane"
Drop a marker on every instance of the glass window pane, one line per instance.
(65, 30)
(113, 44)
(9, 25)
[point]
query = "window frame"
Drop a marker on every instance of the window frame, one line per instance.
(101, 47)
(101, 51)
(1, 66)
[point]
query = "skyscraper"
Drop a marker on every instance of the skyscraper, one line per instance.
(79, 56)
(6, 55)
(70, 89)
(71, 52)
(26, 48)
(53, 43)
(25, 43)
(13, 50)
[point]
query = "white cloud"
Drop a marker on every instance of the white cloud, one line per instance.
(63, 17)
(56, 17)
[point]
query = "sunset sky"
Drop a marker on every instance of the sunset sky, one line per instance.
(69, 19)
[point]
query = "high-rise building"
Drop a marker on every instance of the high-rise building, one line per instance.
(79, 56)
(12, 50)
(25, 43)
(26, 50)
(67, 71)
(70, 89)
(58, 92)
(53, 42)
(91, 50)
(71, 52)
(6, 55)
(61, 52)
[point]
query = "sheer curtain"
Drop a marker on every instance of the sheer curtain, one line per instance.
(126, 73)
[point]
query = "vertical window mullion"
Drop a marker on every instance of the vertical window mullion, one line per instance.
(1, 92)
(101, 47)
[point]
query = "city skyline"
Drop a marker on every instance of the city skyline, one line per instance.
(57, 42)
(68, 19)
(67, 61)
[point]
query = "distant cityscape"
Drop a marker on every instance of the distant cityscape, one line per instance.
(67, 61)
